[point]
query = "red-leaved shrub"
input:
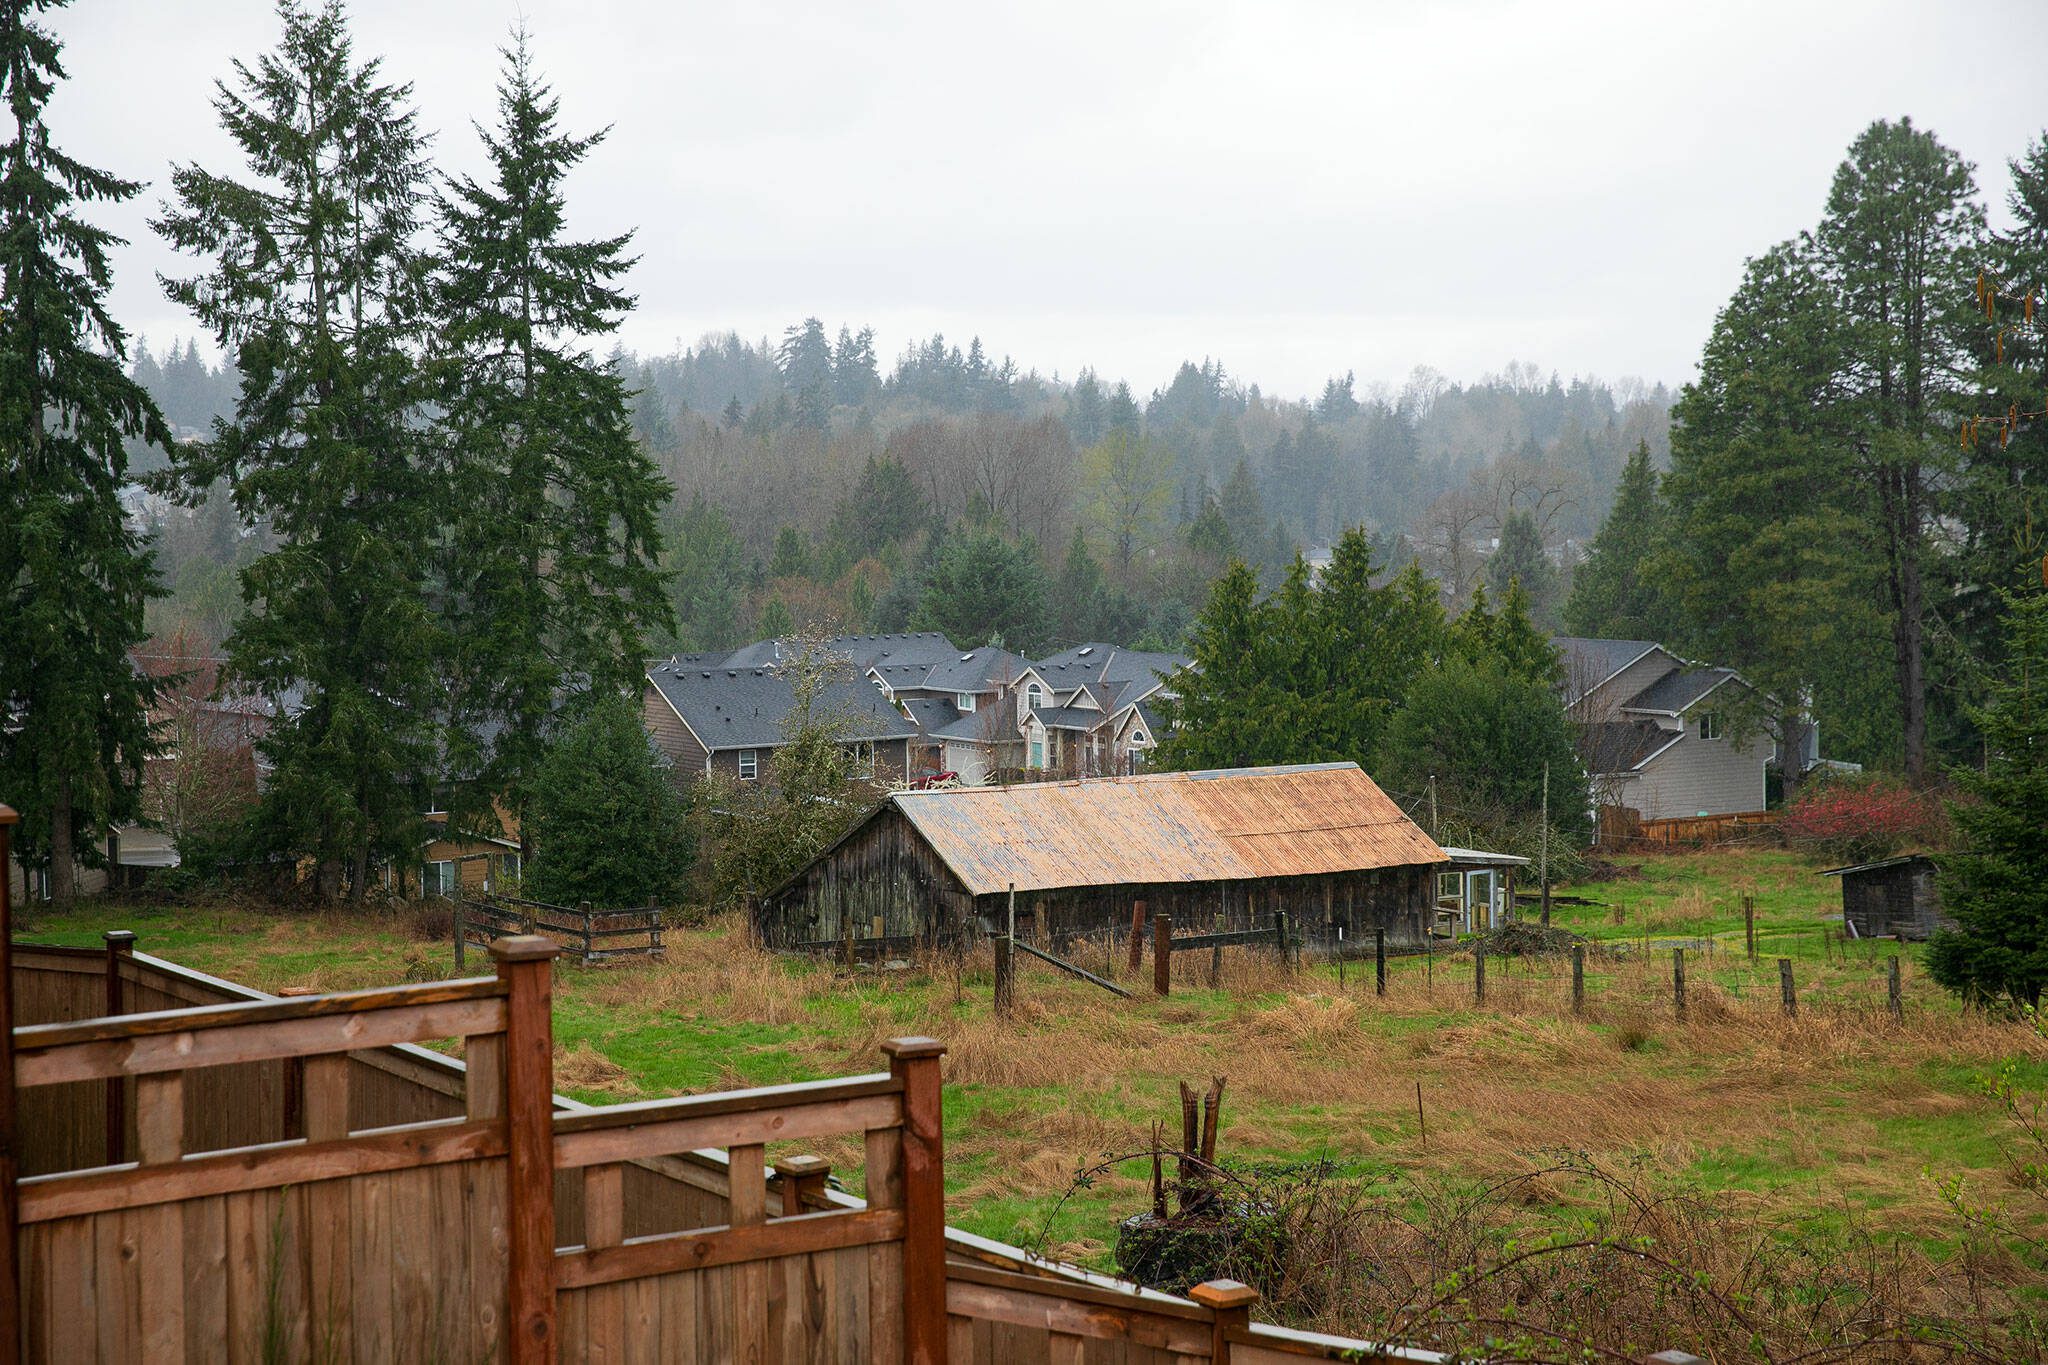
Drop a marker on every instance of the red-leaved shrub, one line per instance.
(1860, 818)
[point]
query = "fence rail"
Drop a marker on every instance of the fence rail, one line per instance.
(594, 935)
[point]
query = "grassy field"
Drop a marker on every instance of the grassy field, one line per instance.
(1836, 1118)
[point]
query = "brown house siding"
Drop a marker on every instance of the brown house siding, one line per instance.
(672, 737)
(890, 757)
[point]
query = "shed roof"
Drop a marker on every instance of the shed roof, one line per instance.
(1229, 825)
(1879, 865)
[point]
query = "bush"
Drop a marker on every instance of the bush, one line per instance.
(1861, 818)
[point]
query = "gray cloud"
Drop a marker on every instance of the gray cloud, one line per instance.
(1297, 189)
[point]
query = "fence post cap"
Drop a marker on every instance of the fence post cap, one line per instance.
(904, 1049)
(803, 1165)
(524, 948)
(120, 939)
(8, 817)
(1221, 1294)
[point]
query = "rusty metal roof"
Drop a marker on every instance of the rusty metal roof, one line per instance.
(1232, 824)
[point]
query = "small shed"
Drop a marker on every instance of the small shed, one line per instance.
(1892, 897)
(1320, 842)
(1476, 893)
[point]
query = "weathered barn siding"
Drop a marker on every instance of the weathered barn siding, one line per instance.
(896, 892)
(1893, 897)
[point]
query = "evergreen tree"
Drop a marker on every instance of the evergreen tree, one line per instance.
(1222, 717)
(855, 379)
(552, 575)
(985, 586)
(777, 621)
(792, 558)
(705, 563)
(1087, 414)
(1995, 883)
(884, 508)
(1616, 593)
(1485, 733)
(312, 289)
(1380, 638)
(607, 824)
(1078, 593)
(1122, 412)
(74, 715)
(1243, 511)
(1208, 535)
(1897, 247)
(1520, 557)
(1765, 556)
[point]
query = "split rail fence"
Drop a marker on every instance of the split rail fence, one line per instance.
(209, 1173)
(594, 935)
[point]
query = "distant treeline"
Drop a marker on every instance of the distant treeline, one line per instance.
(815, 483)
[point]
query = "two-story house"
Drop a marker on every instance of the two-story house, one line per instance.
(726, 712)
(1098, 714)
(1657, 733)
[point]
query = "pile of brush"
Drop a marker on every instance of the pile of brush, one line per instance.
(1212, 1227)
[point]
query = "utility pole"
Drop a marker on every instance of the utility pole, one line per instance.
(1546, 846)
(1433, 826)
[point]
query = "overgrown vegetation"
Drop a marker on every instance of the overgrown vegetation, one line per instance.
(1821, 1150)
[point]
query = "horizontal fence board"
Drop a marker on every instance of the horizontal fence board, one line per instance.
(273, 1164)
(670, 1253)
(259, 1011)
(1049, 1308)
(224, 1044)
(662, 1136)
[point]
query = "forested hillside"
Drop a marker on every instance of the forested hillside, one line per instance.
(815, 481)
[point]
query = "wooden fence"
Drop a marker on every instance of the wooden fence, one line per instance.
(1622, 829)
(595, 935)
(259, 1178)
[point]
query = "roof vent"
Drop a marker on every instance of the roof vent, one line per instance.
(730, 673)
(966, 658)
(1085, 649)
(707, 672)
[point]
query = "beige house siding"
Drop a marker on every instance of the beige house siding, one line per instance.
(1715, 776)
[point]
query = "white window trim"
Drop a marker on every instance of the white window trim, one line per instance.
(963, 701)
(749, 764)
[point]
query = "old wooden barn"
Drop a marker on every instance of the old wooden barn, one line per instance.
(1321, 842)
(1892, 897)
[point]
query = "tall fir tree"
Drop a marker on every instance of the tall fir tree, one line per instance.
(314, 288)
(1994, 885)
(1218, 719)
(74, 579)
(1521, 558)
(553, 575)
(1900, 241)
(1766, 560)
(1615, 593)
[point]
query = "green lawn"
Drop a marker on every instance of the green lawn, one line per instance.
(1802, 1119)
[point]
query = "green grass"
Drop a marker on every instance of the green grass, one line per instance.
(1840, 1110)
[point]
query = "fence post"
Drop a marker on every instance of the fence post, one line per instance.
(1479, 973)
(1578, 978)
(10, 1194)
(1280, 935)
(1230, 1311)
(915, 1061)
(1379, 959)
(461, 935)
(1891, 990)
(1216, 956)
(1005, 965)
(583, 911)
(1137, 943)
(1749, 926)
(1785, 994)
(801, 1182)
(526, 966)
(1678, 981)
(1162, 954)
(120, 944)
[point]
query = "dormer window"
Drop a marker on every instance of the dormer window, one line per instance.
(964, 700)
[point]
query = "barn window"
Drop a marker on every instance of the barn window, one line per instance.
(750, 765)
(1710, 725)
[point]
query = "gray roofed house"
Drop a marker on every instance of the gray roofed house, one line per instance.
(710, 718)
(1655, 731)
(1094, 718)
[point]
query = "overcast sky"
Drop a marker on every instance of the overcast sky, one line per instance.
(1295, 189)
